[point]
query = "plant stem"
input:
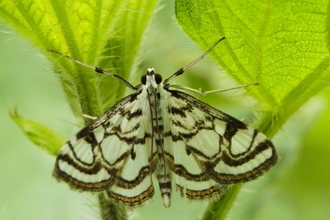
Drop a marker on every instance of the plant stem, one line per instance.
(219, 210)
(110, 210)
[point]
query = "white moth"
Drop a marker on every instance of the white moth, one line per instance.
(167, 133)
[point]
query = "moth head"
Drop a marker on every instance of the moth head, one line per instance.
(151, 78)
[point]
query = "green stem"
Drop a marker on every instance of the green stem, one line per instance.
(219, 210)
(110, 210)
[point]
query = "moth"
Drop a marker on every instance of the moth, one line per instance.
(163, 132)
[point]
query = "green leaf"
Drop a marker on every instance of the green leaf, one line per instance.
(121, 49)
(107, 33)
(282, 45)
(45, 138)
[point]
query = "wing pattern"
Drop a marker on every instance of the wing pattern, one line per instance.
(113, 154)
(166, 132)
(208, 149)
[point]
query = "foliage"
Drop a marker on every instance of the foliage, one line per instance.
(282, 45)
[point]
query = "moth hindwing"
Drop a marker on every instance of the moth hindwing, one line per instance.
(166, 133)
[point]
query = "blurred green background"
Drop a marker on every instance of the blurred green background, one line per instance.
(297, 188)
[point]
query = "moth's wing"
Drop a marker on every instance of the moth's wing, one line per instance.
(208, 149)
(112, 154)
